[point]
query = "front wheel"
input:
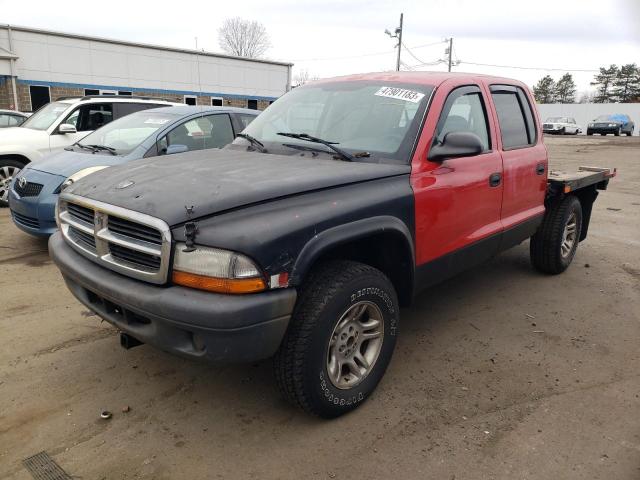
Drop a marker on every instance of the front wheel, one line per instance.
(617, 132)
(589, 132)
(8, 169)
(554, 245)
(340, 339)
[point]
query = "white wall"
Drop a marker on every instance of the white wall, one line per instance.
(49, 57)
(586, 112)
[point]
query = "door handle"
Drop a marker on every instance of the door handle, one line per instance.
(540, 169)
(494, 179)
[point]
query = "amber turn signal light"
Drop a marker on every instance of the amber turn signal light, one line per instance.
(219, 285)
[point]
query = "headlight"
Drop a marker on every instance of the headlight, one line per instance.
(216, 270)
(78, 175)
(612, 125)
(592, 124)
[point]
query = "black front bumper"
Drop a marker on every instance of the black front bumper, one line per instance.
(184, 321)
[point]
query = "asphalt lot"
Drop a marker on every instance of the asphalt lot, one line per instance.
(499, 373)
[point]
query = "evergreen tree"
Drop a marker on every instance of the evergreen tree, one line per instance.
(626, 86)
(565, 91)
(604, 83)
(544, 90)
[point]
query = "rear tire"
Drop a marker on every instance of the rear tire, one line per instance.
(554, 245)
(332, 356)
(8, 169)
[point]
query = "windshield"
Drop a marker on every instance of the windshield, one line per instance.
(556, 120)
(612, 118)
(126, 133)
(44, 118)
(380, 118)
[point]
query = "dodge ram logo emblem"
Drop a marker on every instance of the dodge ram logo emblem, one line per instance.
(22, 182)
(125, 184)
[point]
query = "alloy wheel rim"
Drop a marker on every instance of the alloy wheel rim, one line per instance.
(6, 175)
(569, 236)
(355, 344)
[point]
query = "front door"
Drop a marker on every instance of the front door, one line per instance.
(457, 200)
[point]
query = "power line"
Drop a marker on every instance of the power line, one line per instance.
(531, 68)
(386, 52)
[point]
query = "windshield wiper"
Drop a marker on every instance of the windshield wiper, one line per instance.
(111, 150)
(255, 143)
(332, 145)
(85, 147)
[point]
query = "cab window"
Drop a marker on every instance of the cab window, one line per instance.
(515, 117)
(464, 111)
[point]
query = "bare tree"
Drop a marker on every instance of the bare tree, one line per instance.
(302, 77)
(243, 38)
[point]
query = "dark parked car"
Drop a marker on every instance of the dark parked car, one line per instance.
(617, 124)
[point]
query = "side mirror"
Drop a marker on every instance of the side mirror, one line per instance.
(67, 128)
(456, 144)
(177, 148)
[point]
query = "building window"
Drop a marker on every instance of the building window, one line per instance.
(252, 104)
(39, 96)
(216, 101)
(91, 91)
(190, 99)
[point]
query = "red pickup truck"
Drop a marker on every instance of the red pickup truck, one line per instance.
(303, 238)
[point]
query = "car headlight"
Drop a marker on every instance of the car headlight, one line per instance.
(78, 175)
(592, 124)
(612, 125)
(216, 270)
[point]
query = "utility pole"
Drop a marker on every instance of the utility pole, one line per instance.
(450, 51)
(398, 35)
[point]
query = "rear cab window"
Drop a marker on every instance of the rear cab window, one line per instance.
(515, 117)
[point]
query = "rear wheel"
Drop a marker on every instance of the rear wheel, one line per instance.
(8, 169)
(340, 339)
(554, 245)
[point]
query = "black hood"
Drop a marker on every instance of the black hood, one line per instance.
(213, 181)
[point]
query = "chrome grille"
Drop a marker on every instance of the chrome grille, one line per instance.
(128, 228)
(128, 242)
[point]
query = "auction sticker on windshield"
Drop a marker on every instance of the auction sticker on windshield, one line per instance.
(400, 94)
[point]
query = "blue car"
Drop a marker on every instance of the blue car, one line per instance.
(160, 131)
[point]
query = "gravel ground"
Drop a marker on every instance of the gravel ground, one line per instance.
(499, 373)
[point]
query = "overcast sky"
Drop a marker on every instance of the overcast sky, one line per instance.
(333, 37)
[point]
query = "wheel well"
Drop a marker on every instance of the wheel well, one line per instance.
(19, 158)
(386, 251)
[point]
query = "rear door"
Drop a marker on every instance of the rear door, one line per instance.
(457, 200)
(524, 159)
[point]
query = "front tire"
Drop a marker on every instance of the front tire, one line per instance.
(340, 339)
(617, 132)
(589, 132)
(8, 169)
(554, 245)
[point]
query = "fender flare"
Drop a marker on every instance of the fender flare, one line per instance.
(341, 234)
